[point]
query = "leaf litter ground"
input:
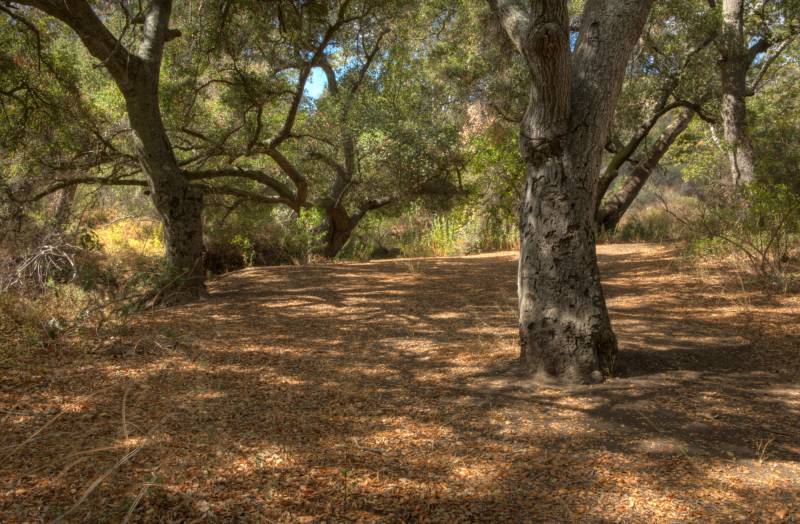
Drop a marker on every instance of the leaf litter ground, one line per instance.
(385, 392)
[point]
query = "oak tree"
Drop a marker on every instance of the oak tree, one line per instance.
(565, 331)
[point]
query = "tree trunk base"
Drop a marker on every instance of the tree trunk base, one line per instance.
(588, 363)
(565, 331)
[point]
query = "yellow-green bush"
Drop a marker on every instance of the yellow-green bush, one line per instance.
(131, 238)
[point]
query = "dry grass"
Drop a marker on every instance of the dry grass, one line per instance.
(381, 392)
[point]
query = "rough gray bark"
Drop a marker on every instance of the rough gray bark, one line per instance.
(614, 207)
(179, 203)
(735, 60)
(565, 331)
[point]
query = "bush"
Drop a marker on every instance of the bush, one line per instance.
(129, 238)
(649, 219)
(247, 249)
(28, 321)
(266, 239)
(759, 222)
(462, 230)
(648, 225)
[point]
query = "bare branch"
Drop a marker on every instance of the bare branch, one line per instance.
(58, 186)
(292, 172)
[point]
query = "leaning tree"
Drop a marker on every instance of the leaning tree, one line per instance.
(136, 73)
(565, 331)
(668, 82)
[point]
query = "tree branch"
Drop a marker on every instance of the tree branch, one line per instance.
(760, 46)
(366, 207)
(305, 71)
(63, 184)
(249, 195)
(155, 32)
(94, 34)
(515, 18)
(612, 209)
(330, 74)
(697, 108)
(292, 172)
(767, 64)
(624, 153)
(250, 174)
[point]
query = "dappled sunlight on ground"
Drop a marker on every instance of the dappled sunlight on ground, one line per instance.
(386, 391)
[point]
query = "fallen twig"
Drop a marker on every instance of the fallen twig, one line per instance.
(107, 473)
(15, 447)
(145, 487)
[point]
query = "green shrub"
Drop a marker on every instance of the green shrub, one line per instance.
(758, 222)
(254, 237)
(246, 247)
(462, 230)
(654, 217)
(649, 225)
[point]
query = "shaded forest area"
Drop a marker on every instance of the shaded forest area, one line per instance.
(435, 260)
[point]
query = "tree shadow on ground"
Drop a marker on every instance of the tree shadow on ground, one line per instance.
(381, 391)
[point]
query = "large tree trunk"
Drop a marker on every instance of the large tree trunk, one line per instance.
(614, 207)
(137, 78)
(339, 224)
(564, 326)
(734, 63)
(181, 210)
(565, 332)
(179, 204)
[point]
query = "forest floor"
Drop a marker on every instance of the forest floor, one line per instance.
(382, 391)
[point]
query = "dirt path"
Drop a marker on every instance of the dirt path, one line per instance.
(381, 392)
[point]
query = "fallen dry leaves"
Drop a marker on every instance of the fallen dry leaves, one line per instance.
(383, 392)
